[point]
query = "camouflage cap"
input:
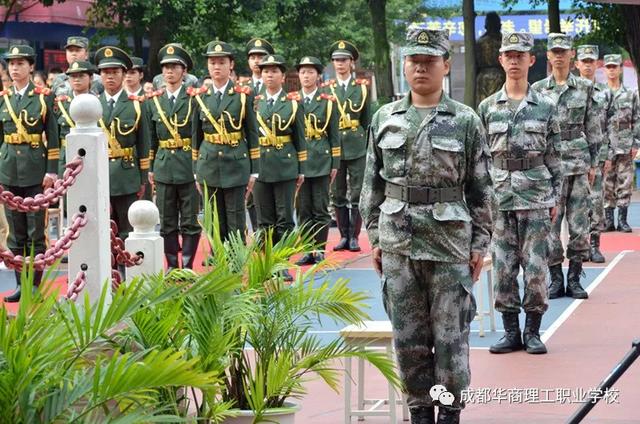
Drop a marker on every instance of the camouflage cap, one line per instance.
(612, 59)
(427, 41)
(260, 46)
(344, 49)
(274, 60)
(112, 57)
(172, 53)
(310, 61)
(21, 51)
(516, 41)
(558, 40)
(138, 63)
(75, 41)
(81, 67)
(588, 51)
(220, 48)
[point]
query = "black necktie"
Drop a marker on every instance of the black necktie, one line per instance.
(269, 106)
(111, 103)
(307, 100)
(257, 87)
(18, 97)
(344, 89)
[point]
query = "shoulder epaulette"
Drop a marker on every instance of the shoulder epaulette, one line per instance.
(362, 81)
(138, 98)
(7, 92)
(294, 95)
(154, 94)
(62, 98)
(328, 83)
(327, 97)
(42, 90)
(194, 91)
(242, 89)
(259, 97)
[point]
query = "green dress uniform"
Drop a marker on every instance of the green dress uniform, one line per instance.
(323, 153)
(354, 109)
(256, 46)
(61, 86)
(283, 156)
(138, 64)
(171, 143)
(124, 122)
(25, 157)
(225, 145)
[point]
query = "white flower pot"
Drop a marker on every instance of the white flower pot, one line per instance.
(284, 415)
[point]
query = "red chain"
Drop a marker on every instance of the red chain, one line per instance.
(53, 253)
(118, 254)
(76, 286)
(50, 196)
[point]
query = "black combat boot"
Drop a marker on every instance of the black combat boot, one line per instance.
(531, 334)
(448, 416)
(609, 225)
(342, 216)
(556, 288)
(594, 252)
(321, 242)
(622, 220)
(512, 339)
(574, 289)
(189, 249)
(307, 259)
(354, 228)
(422, 415)
(171, 247)
(15, 296)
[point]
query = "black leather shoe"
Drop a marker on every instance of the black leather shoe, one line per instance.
(287, 276)
(342, 217)
(448, 416)
(512, 339)
(422, 415)
(556, 288)
(307, 259)
(319, 257)
(531, 334)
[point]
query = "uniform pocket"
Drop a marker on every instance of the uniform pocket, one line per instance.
(447, 158)
(535, 135)
(576, 111)
(498, 136)
(393, 149)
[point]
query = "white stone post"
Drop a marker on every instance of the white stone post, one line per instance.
(92, 250)
(144, 216)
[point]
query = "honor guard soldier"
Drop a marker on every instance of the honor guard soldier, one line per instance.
(283, 150)
(624, 136)
(76, 49)
(426, 203)
(323, 153)
(134, 76)
(580, 136)
(226, 139)
(27, 164)
(523, 134)
(125, 125)
(352, 99)
(189, 79)
(171, 158)
(587, 63)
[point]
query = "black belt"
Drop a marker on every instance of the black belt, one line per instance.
(571, 134)
(518, 164)
(423, 194)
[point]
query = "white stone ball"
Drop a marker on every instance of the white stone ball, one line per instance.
(85, 110)
(143, 216)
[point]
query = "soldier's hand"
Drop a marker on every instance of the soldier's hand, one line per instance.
(250, 184)
(150, 178)
(376, 257)
(591, 175)
(140, 192)
(553, 213)
(476, 265)
(332, 176)
(47, 181)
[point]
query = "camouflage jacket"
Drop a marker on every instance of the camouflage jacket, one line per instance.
(580, 130)
(623, 131)
(446, 149)
(602, 102)
(532, 131)
(62, 87)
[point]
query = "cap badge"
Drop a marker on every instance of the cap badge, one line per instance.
(75, 65)
(513, 39)
(217, 48)
(258, 43)
(423, 37)
(15, 50)
(108, 53)
(341, 45)
(171, 50)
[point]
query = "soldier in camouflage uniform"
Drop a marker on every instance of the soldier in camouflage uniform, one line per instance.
(171, 112)
(323, 146)
(490, 75)
(352, 99)
(527, 177)
(77, 48)
(587, 56)
(580, 136)
(426, 205)
(28, 165)
(623, 134)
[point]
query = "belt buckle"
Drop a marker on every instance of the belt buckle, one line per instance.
(233, 143)
(172, 144)
(15, 138)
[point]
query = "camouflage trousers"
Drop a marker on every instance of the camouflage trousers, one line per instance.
(597, 203)
(430, 305)
(574, 204)
(618, 183)
(520, 240)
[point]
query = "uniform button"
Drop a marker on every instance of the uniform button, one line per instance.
(113, 160)
(344, 132)
(173, 152)
(18, 152)
(326, 151)
(288, 155)
(245, 155)
(219, 153)
(268, 150)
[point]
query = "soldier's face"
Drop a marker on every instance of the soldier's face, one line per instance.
(425, 73)
(172, 72)
(273, 78)
(112, 79)
(133, 78)
(613, 71)
(308, 76)
(516, 64)
(80, 83)
(75, 53)
(220, 67)
(587, 68)
(342, 65)
(254, 60)
(20, 69)
(560, 58)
